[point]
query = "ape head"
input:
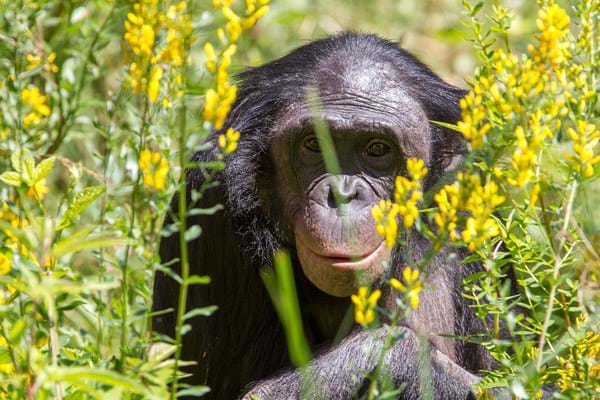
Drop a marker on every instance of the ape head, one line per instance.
(378, 103)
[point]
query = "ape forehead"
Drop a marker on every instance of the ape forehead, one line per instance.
(363, 95)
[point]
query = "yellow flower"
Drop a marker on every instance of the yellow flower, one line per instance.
(38, 190)
(5, 264)
(469, 200)
(219, 99)
(410, 286)
(473, 123)
(228, 142)
(408, 192)
(139, 34)
(553, 23)
(32, 97)
(446, 217)
(50, 59)
(384, 214)
(6, 368)
(154, 83)
(364, 305)
(211, 57)
(524, 157)
(585, 138)
(154, 168)
(33, 61)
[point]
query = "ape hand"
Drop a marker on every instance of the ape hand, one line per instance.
(342, 372)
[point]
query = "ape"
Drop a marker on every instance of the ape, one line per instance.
(377, 101)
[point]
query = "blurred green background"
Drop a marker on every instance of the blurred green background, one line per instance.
(430, 29)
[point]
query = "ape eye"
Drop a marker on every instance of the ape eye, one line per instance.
(312, 144)
(378, 149)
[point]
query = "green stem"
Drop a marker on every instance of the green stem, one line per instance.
(125, 262)
(555, 271)
(183, 249)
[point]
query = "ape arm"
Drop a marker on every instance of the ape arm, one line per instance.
(341, 372)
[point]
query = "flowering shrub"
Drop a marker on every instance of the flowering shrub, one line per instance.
(90, 156)
(522, 201)
(86, 176)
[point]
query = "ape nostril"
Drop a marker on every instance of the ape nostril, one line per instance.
(342, 190)
(335, 200)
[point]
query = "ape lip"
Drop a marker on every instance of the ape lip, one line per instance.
(347, 262)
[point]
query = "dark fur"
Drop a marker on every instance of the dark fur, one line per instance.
(244, 342)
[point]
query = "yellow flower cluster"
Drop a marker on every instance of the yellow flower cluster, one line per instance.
(481, 202)
(384, 214)
(364, 305)
(446, 216)
(407, 194)
(586, 350)
(255, 9)
(6, 367)
(32, 97)
(220, 98)
(525, 154)
(410, 286)
(34, 61)
(10, 240)
(143, 28)
(473, 115)
(5, 264)
(585, 137)
(475, 202)
(502, 90)
(553, 23)
(228, 141)
(408, 191)
(154, 168)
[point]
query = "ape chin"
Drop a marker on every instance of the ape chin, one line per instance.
(377, 101)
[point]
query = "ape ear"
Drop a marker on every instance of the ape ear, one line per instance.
(449, 147)
(450, 150)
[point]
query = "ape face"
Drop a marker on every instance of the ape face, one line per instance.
(375, 125)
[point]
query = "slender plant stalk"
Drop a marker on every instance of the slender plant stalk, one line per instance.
(183, 249)
(124, 264)
(557, 263)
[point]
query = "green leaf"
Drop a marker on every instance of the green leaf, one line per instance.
(77, 375)
(205, 211)
(160, 351)
(194, 391)
(200, 312)
(80, 202)
(70, 245)
(446, 125)
(193, 232)
(198, 280)
(23, 163)
(43, 169)
(282, 289)
(17, 331)
(5, 355)
(11, 178)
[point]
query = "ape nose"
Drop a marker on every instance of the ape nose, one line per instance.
(342, 190)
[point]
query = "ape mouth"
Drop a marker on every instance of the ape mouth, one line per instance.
(341, 261)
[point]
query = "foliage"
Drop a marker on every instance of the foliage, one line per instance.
(80, 224)
(520, 203)
(101, 103)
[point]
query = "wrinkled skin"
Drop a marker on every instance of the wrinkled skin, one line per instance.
(377, 101)
(334, 234)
